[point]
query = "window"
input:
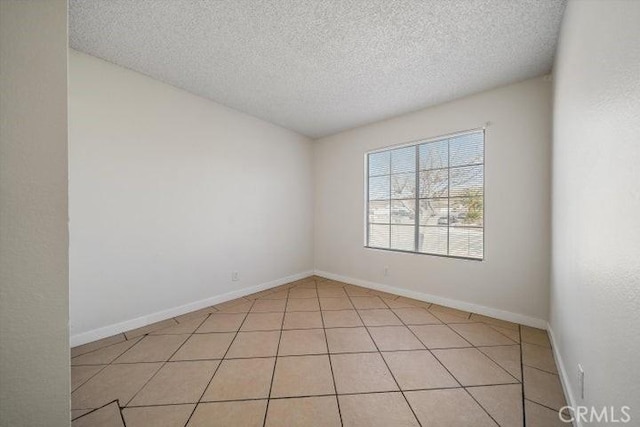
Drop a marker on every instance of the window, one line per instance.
(428, 197)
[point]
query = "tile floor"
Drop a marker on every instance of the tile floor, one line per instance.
(319, 353)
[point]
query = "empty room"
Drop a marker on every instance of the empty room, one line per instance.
(319, 213)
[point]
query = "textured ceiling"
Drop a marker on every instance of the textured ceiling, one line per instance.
(319, 67)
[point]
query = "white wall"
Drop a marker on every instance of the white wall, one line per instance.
(170, 193)
(514, 277)
(595, 297)
(34, 280)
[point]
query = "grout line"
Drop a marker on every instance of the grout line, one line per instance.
(275, 362)
(333, 377)
(447, 369)
(288, 287)
(409, 350)
(541, 370)
(318, 395)
(387, 365)
(117, 401)
(85, 381)
(163, 363)
(476, 347)
(524, 412)
(102, 348)
(219, 364)
(124, 423)
(543, 405)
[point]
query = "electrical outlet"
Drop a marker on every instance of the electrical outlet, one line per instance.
(235, 276)
(581, 380)
(386, 270)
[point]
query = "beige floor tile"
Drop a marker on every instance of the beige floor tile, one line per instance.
(104, 355)
(81, 374)
(302, 320)
(254, 344)
(308, 283)
(248, 413)
(158, 416)
(329, 282)
(303, 304)
(502, 402)
(222, 322)
(480, 334)
(361, 373)
(508, 357)
(306, 341)
(153, 348)
(76, 413)
(241, 307)
(538, 357)
(376, 410)
(410, 302)
(447, 317)
(95, 345)
(258, 295)
(341, 318)
(535, 336)
(332, 292)
(268, 306)
(418, 370)
(539, 416)
(205, 346)
(368, 302)
(302, 376)
(263, 322)
(231, 303)
(386, 296)
(448, 408)
(448, 310)
(509, 333)
(543, 388)
(379, 317)
(197, 314)
(400, 303)
(241, 379)
(389, 338)
(113, 382)
(280, 294)
(352, 290)
(177, 382)
(107, 416)
(439, 336)
(303, 293)
(150, 328)
(471, 367)
(187, 326)
(494, 322)
(416, 316)
(345, 340)
(303, 412)
(335, 304)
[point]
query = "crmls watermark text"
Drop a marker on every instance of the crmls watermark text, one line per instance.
(591, 414)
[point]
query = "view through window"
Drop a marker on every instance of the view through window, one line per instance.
(428, 197)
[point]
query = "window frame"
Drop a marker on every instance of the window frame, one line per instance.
(417, 143)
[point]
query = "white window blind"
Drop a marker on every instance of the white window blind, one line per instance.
(428, 197)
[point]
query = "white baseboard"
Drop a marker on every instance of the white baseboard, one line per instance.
(562, 373)
(127, 325)
(460, 305)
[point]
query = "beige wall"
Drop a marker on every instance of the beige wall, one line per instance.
(595, 299)
(513, 280)
(169, 194)
(34, 341)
